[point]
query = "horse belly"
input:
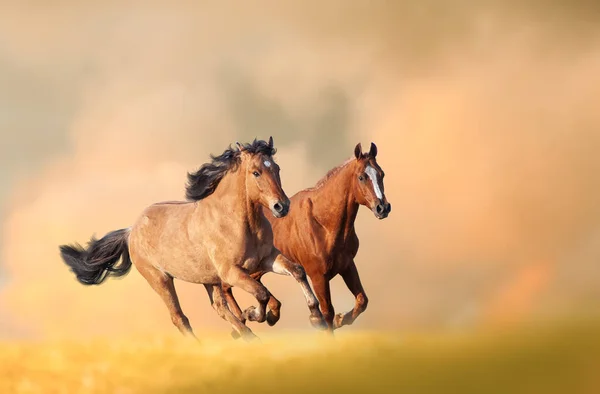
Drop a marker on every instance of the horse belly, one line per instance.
(198, 271)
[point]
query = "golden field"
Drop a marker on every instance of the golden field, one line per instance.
(561, 359)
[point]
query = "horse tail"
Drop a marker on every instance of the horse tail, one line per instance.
(92, 265)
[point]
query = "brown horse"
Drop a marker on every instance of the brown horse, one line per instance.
(319, 232)
(222, 236)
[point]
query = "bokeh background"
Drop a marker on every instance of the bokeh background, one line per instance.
(485, 114)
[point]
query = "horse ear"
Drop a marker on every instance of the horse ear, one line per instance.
(373, 151)
(240, 146)
(358, 151)
(271, 142)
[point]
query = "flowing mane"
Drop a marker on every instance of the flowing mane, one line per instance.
(330, 174)
(204, 182)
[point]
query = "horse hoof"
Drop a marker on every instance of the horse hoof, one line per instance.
(318, 322)
(249, 313)
(272, 319)
(235, 335)
(338, 321)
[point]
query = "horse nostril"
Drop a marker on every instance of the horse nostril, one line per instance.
(389, 208)
(278, 207)
(380, 208)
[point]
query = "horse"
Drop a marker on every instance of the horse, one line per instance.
(219, 236)
(319, 233)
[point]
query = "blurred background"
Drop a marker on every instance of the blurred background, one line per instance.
(485, 114)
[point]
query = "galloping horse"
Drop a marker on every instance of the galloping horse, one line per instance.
(220, 237)
(319, 232)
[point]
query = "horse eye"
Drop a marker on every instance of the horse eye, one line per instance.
(361, 178)
(256, 174)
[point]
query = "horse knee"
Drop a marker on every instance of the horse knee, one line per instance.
(262, 295)
(313, 303)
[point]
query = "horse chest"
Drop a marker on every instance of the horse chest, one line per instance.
(258, 247)
(342, 245)
(351, 244)
(338, 254)
(262, 238)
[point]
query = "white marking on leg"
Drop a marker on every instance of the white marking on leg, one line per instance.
(279, 269)
(310, 297)
(372, 173)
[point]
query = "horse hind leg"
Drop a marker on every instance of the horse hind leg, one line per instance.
(218, 301)
(163, 284)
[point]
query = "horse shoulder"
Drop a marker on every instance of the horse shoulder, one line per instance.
(264, 238)
(311, 235)
(266, 230)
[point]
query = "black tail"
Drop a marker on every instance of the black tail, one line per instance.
(97, 262)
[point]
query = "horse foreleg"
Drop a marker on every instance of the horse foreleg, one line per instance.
(219, 302)
(323, 293)
(352, 280)
(234, 276)
(274, 305)
(283, 266)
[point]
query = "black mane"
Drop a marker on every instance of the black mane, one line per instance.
(204, 182)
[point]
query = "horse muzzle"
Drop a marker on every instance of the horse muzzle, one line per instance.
(382, 209)
(280, 208)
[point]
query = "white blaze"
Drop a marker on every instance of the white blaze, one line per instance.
(372, 173)
(267, 163)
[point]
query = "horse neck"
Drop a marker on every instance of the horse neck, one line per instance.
(232, 193)
(334, 203)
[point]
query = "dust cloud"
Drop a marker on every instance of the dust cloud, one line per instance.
(485, 115)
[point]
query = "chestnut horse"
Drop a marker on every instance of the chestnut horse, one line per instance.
(319, 232)
(222, 236)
